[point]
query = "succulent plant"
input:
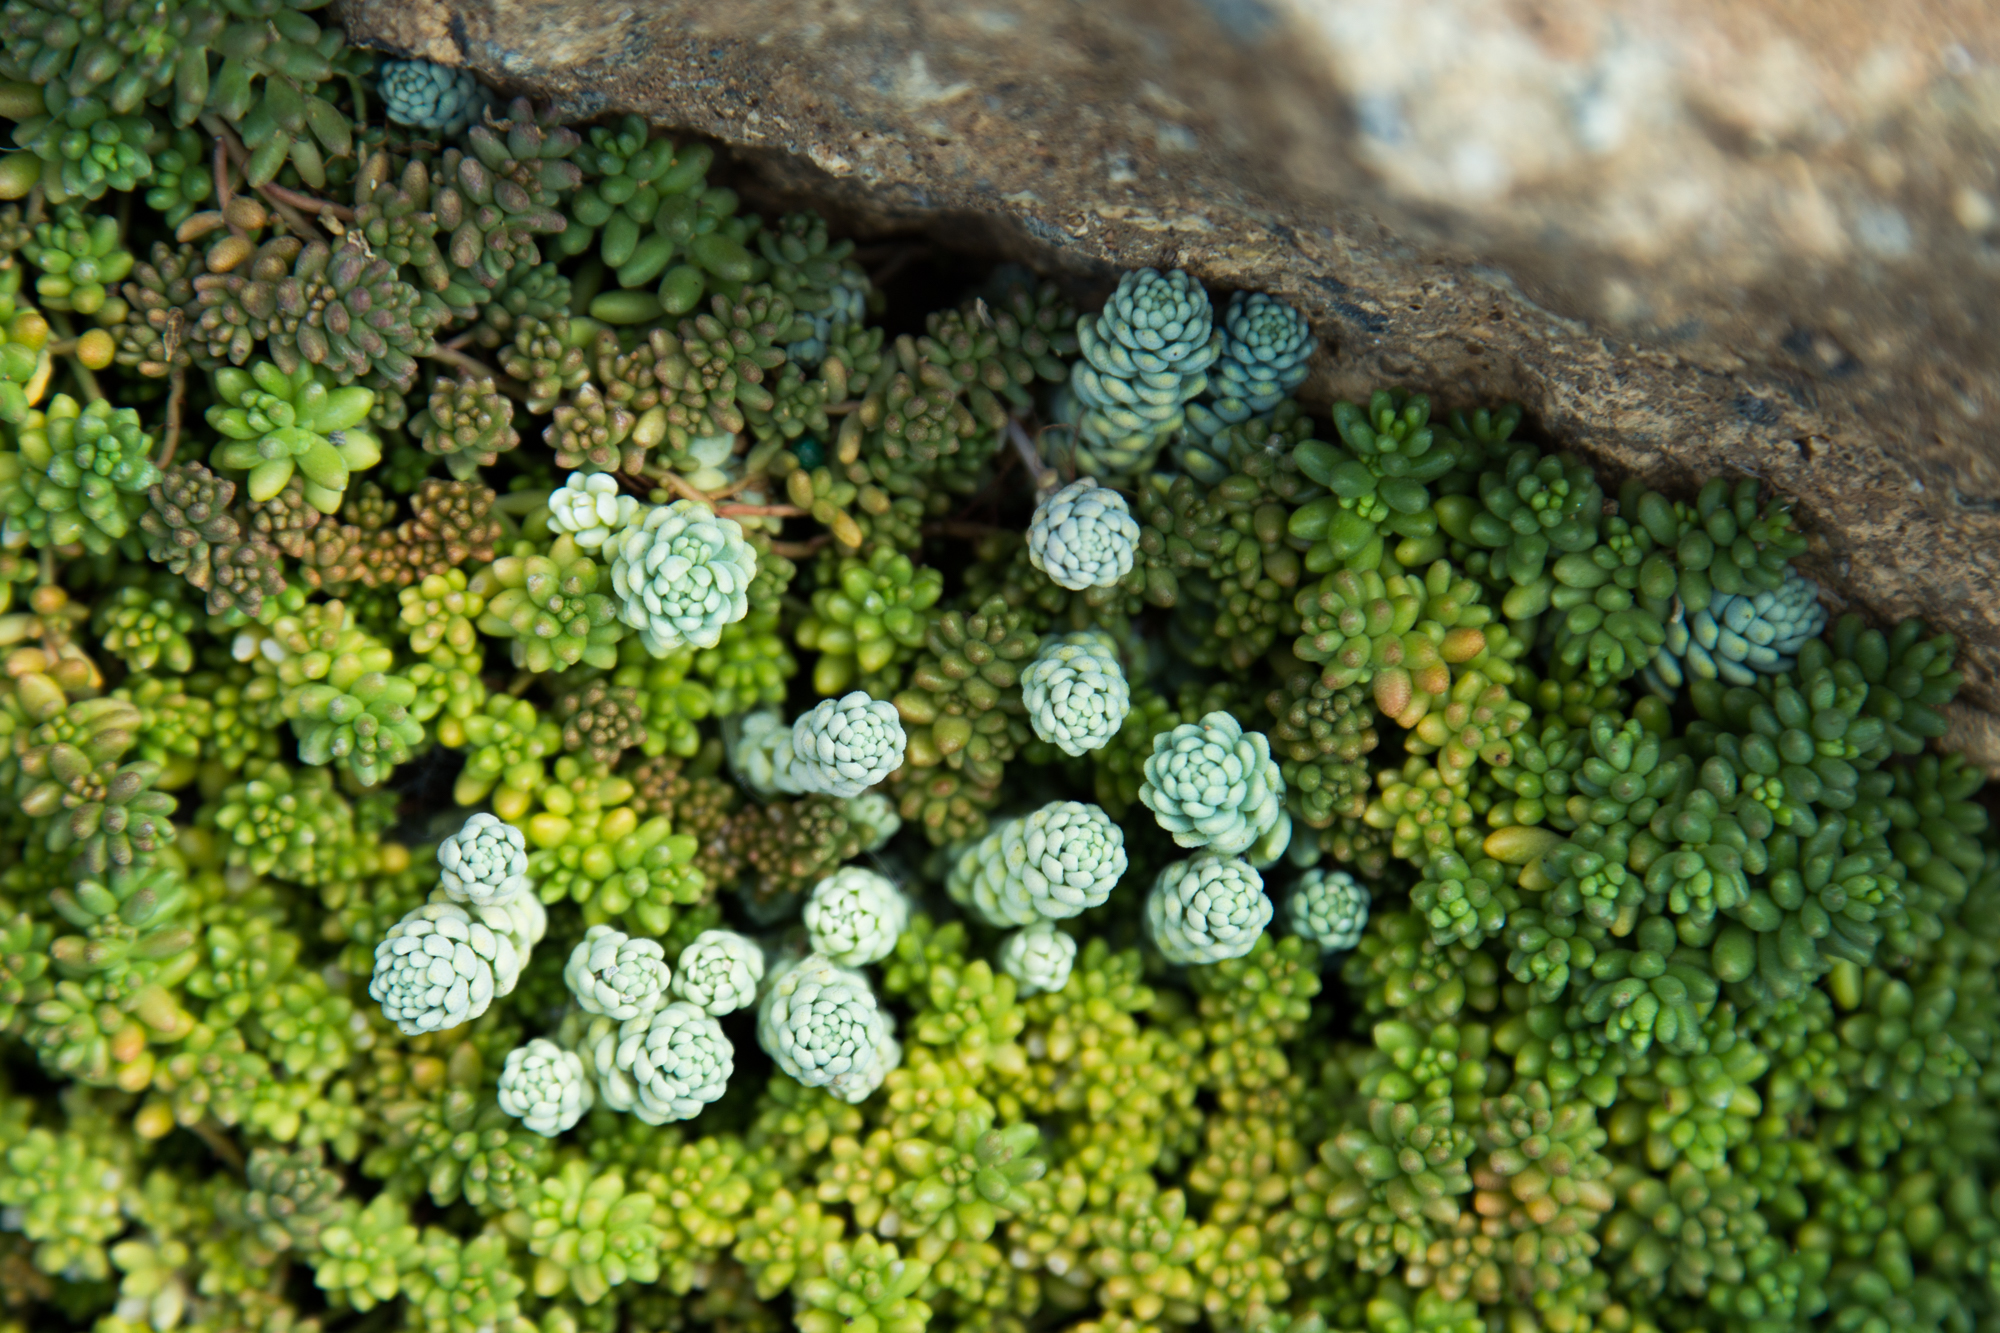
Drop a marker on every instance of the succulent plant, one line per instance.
(1206, 909)
(613, 974)
(588, 507)
(1075, 693)
(1039, 957)
(1083, 536)
(668, 1065)
(82, 475)
(485, 863)
(1057, 862)
(1213, 785)
(429, 96)
(845, 746)
(719, 972)
(276, 423)
(467, 422)
(1328, 907)
(1265, 347)
(441, 966)
(543, 1086)
(1737, 637)
(1144, 357)
(823, 1027)
(853, 917)
(681, 574)
(550, 607)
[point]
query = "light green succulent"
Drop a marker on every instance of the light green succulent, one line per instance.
(1206, 909)
(681, 574)
(762, 757)
(845, 746)
(81, 475)
(589, 1233)
(612, 974)
(821, 1024)
(1075, 692)
(550, 607)
(668, 1065)
(543, 1086)
(854, 916)
(276, 424)
(1265, 347)
(485, 863)
(589, 507)
(719, 972)
(441, 99)
(1213, 785)
(1039, 957)
(1083, 536)
(1145, 356)
(441, 966)
(1062, 859)
(864, 1287)
(1328, 907)
(1738, 637)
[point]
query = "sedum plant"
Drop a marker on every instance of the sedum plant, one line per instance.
(492, 628)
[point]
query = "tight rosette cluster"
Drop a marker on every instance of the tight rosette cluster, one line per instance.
(1145, 355)
(665, 1066)
(762, 755)
(854, 916)
(429, 96)
(1057, 862)
(485, 863)
(1738, 637)
(1265, 347)
(613, 974)
(1039, 957)
(1213, 785)
(1328, 907)
(1075, 693)
(441, 966)
(1083, 536)
(821, 1024)
(845, 746)
(544, 1087)
(680, 574)
(1206, 909)
(719, 972)
(589, 507)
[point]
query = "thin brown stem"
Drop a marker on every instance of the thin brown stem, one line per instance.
(1031, 458)
(841, 409)
(800, 550)
(86, 381)
(234, 149)
(175, 396)
(760, 511)
(680, 485)
(218, 1143)
(506, 384)
(307, 203)
(223, 194)
(740, 484)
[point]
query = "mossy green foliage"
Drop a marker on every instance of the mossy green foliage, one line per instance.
(1674, 1006)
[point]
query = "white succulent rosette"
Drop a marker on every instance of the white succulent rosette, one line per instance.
(485, 863)
(674, 1062)
(875, 815)
(1211, 784)
(440, 966)
(1076, 693)
(845, 746)
(1329, 907)
(821, 1024)
(1039, 957)
(545, 1087)
(1083, 536)
(719, 972)
(761, 754)
(1207, 908)
(589, 507)
(611, 973)
(680, 574)
(854, 916)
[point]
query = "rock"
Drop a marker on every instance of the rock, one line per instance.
(1723, 235)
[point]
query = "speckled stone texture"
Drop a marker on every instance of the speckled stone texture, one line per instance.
(1690, 236)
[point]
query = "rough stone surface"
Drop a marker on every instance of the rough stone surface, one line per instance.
(1687, 236)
